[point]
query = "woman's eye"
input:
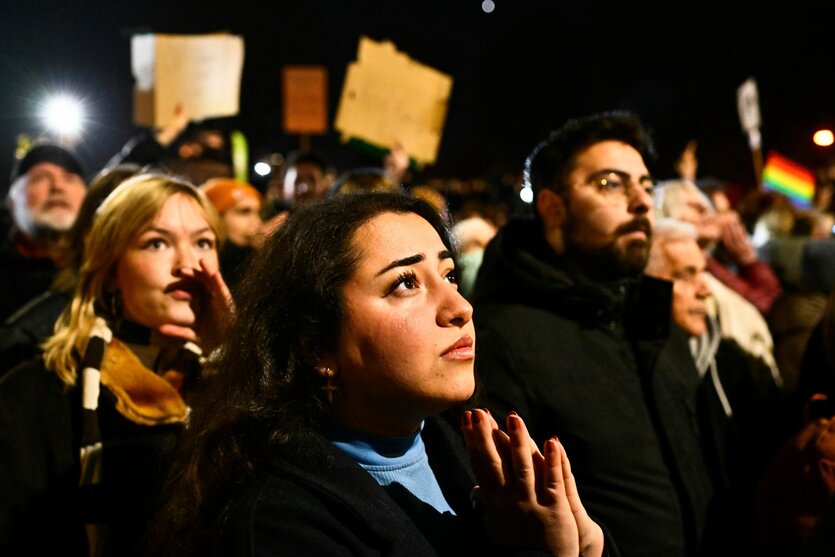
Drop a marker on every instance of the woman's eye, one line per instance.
(154, 244)
(205, 243)
(452, 277)
(406, 281)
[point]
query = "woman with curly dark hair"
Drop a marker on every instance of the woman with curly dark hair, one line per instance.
(325, 433)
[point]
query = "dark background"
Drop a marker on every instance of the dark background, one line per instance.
(518, 72)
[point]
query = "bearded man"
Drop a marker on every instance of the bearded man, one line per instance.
(575, 339)
(46, 189)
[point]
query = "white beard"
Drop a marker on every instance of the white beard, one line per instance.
(54, 220)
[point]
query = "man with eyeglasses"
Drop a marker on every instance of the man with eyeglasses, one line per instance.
(574, 338)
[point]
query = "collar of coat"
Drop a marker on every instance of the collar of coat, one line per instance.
(142, 396)
(519, 267)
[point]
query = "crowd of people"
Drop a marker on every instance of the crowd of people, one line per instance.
(367, 363)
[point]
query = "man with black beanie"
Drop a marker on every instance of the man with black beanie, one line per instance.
(45, 192)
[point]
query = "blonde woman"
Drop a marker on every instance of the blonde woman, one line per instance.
(86, 430)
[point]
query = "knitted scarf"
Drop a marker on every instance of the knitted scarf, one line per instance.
(142, 396)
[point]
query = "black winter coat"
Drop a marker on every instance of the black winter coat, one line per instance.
(317, 501)
(601, 367)
(42, 508)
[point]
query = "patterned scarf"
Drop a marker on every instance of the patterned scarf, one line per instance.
(142, 396)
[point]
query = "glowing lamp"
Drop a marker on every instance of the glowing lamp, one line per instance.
(823, 138)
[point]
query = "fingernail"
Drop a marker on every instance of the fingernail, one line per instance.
(512, 422)
(551, 445)
(467, 418)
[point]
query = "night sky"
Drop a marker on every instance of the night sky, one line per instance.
(518, 72)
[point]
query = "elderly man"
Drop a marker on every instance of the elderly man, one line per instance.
(740, 299)
(47, 187)
(745, 273)
(743, 411)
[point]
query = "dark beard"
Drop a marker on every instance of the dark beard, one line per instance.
(611, 262)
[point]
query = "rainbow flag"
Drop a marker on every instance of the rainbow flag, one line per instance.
(784, 176)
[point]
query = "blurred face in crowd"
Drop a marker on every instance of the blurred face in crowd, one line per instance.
(307, 181)
(155, 276)
(46, 199)
(407, 345)
(609, 212)
(243, 222)
(682, 262)
(473, 234)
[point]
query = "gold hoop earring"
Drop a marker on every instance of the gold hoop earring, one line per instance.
(329, 387)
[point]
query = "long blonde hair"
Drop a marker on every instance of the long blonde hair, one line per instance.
(122, 216)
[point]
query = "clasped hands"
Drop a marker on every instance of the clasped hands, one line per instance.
(529, 496)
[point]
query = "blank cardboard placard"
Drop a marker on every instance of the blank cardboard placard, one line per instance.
(200, 72)
(389, 97)
(305, 99)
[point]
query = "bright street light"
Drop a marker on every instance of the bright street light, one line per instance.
(262, 168)
(823, 138)
(63, 115)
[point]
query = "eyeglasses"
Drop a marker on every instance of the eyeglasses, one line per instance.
(615, 185)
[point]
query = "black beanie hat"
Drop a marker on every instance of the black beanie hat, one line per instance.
(47, 152)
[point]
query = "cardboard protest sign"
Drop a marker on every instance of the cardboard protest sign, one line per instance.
(389, 97)
(305, 99)
(200, 72)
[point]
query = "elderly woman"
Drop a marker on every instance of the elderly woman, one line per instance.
(87, 429)
(325, 434)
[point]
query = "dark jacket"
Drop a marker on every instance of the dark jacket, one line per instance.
(42, 508)
(601, 367)
(21, 278)
(24, 331)
(317, 501)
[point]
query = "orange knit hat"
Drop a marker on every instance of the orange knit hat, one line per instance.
(225, 193)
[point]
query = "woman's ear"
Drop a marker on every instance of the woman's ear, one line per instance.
(551, 208)
(317, 358)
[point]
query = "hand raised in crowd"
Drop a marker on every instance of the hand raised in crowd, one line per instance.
(734, 238)
(396, 162)
(530, 497)
(173, 127)
(217, 309)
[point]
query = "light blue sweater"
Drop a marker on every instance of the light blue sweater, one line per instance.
(394, 460)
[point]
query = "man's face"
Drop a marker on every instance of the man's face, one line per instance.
(609, 211)
(308, 183)
(46, 199)
(683, 263)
